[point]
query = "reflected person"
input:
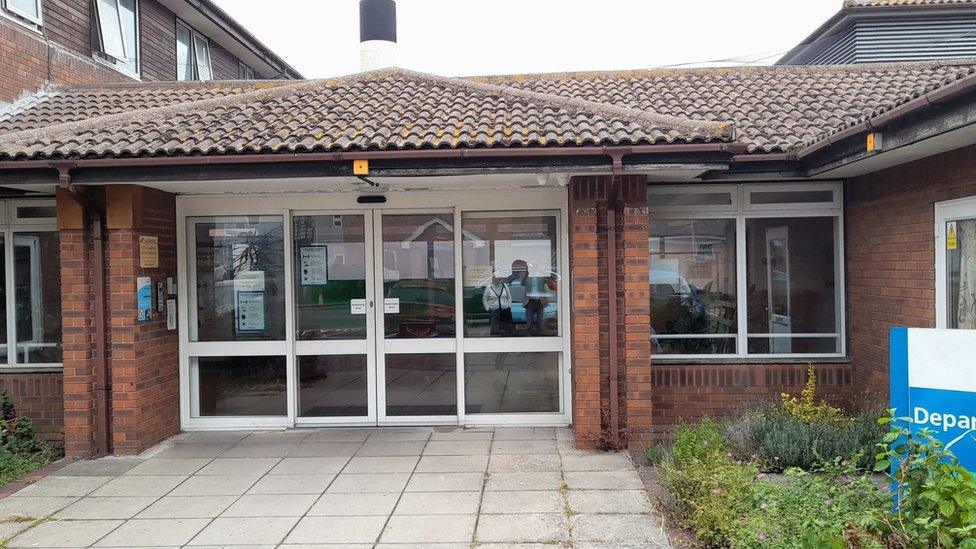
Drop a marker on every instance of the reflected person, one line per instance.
(534, 296)
(497, 301)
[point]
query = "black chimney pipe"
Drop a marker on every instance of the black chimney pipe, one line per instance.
(377, 20)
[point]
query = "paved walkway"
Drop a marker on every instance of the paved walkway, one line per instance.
(438, 488)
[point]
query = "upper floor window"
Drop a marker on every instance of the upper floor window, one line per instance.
(192, 54)
(746, 270)
(26, 9)
(244, 72)
(116, 33)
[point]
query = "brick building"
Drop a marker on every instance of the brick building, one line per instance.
(616, 250)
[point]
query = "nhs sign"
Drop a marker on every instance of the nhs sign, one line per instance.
(933, 381)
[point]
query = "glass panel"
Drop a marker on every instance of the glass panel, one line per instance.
(184, 63)
(790, 273)
(511, 382)
(130, 34)
(201, 49)
(511, 280)
(961, 259)
(804, 345)
(3, 307)
(661, 200)
(37, 212)
(788, 197)
(241, 386)
(240, 278)
(418, 275)
(330, 276)
(332, 386)
(421, 385)
(692, 277)
(37, 280)
(31, 8)
(110, 28)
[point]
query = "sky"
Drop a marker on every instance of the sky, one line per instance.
(320, 38)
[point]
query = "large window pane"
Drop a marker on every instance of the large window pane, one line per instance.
(201, 52)
(511, 279)
(37, 282)
(240, 278)
(421, 385)
(332, 386)
(330, 276)
(790, 273)
(511, 382)
(961, 274)
(3, 308)
(184, 54)
(241, 386)
(130, 34)
(28, 8)
(110, 28)
(418, 275)
(692, 277)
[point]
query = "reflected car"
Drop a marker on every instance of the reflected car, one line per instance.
(476, 315)
(676, 304)
(426, 308)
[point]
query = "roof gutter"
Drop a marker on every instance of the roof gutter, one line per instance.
(615, 153)
(941, 95)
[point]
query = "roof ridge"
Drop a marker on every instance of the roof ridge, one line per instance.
(26, 101)
(142, 115)
(262, 83)
(575, 105)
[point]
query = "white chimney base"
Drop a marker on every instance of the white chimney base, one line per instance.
(377, 54)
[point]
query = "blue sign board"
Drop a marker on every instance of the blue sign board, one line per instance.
(933, 382)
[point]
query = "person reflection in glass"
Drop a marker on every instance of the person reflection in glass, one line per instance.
(497, 300)
(533, 293)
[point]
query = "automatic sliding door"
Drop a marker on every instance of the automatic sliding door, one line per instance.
(334, 329)
(415, 274)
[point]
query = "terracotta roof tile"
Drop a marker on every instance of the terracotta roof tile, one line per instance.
(901, 3)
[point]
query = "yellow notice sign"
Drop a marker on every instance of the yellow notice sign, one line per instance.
(952, 241)
(148, 252)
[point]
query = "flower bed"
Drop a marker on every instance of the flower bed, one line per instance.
(20, 450)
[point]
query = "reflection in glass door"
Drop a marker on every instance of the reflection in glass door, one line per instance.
(334, 327)
(417, 353)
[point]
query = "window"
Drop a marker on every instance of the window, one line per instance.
(746, 270)
(192, 54)
(30, 280)
(244, 72)
(955, 264)
(29, 10)
(116, 33)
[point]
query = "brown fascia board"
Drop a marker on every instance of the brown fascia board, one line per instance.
(614, 153)
(846, 16)
(220, 18)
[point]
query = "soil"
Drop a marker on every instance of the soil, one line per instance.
(679, 538)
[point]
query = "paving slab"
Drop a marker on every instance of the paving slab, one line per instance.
(525, 433)
(92, 508)
(188, 507)
(438, 503)
(603, 480)
(339, 505)
(462, 434)
(522, 463)
(391, 448)
(309, 465)
(245, 531)
(63, 487)
(338, 435)
(324, 449)
(291, 505)
(337, 530)
(457, 447)
(106, 467)
(214, 485)
(617, 461)
(524, 481)
(164, 466)
(209, 437)
(153, 533)
(239, 466)
(426, 529)
(608, 501)
(192, 451)
(545, 528)
(292, 484)
(521, 502)
(258, 450)
(56, 533)
(381, 464)
(368, 484)
(452, 464)
(523, 446)
(445, 482)
(397, 434)
(35, 507)
(617, 528)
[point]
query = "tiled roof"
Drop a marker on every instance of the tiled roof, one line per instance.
(770, 109)
(773, 109)
(886, 3)
(389, 109)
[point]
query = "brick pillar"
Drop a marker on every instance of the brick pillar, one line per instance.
(591, 329)
(144, 356)
(77, 329)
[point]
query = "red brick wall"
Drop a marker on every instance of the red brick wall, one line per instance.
(38, 396)
(890, 243)
(144, 356)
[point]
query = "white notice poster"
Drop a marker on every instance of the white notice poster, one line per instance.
(314, 265)
(391, 305)
(357, 306)
(250, 312)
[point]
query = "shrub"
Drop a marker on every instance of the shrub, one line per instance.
(779, 440)
(807, 409)
(20, 450)
(935, 496)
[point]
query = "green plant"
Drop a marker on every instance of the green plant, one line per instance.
(807, 409)
(20, 449)
(935, 496)
(655, 454)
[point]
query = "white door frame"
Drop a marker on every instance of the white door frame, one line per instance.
(949, 210)
(288, 204)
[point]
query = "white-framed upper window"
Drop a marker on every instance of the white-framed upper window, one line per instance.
(30, 314)
(192, 54)
(28, 10)
(746, 270)
(955, 264)
(115, 36)
(244, 72)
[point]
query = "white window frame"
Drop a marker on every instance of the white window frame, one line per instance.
(20, 15)
(740, 211)
(112, 60)
(244, 71)
(194, 70)
(12, 224)
(949, 210)
(528, 199)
